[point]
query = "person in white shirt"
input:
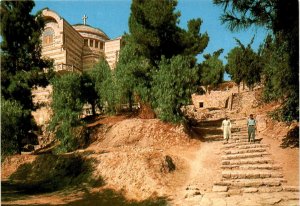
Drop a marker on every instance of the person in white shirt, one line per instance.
(251, 124)
(226, 127)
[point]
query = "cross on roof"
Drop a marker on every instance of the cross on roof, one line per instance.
(84, 19)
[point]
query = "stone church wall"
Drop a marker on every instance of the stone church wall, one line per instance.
(76, 47)
(112, 52)
(73, 44)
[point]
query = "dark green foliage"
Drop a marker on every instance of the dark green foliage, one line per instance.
(133, 76)
(244, 65)
(89, 93)
(234, 65)
(21, 69)
(153, 27)
(211, 70)
(21, 63)
(67, 103)
(282, 17)
(151, 54)
(251, 64)
(277, 76)
(242, 14)
(105, 85)
(14, 126)
(173, 85)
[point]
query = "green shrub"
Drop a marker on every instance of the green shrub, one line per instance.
(14, 126)
(173, 85)
(67, 103)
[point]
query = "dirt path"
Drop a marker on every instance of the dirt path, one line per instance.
(204, 168)
(211, 182)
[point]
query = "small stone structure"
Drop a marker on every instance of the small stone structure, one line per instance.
(216, 99)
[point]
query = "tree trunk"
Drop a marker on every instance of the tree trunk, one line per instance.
(145, 111)
(238, 87)
(93, 109)
(130, 101)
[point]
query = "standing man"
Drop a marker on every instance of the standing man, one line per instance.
(226, 127)
(251, 124)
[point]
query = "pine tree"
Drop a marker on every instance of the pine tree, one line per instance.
(155, 35)
(131, 72)
(21, 65)
(211, 70)
(21, 62)
(244, 65)
(153, 27)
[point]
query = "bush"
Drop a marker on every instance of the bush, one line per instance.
(104, 82)
(67, 103)
(14, 126)
(173, 85)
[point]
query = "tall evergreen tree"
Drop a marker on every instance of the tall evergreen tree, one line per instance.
(155, 35)
(234, 65)
(21, 62)
(244, 65)
(131, 72)
(153, 27)
(211, 70)
(250, 64)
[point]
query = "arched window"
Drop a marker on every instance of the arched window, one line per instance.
(48, 36)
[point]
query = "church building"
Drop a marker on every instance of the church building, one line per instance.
(76, 47)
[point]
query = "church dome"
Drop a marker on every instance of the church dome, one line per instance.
(90, 32)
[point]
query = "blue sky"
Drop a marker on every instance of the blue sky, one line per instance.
(111, 16)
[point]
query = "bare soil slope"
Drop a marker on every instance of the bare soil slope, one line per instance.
(136, 156)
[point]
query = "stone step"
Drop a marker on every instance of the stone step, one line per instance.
(253, 146)
(238, 126)
(252, 167)
(253, 174)
(244, 145)
(268, 182)
(255, 160)
(245, 155)
(242, 151)
(241, 143)
(239, 132)
(263, 189)
(239, 136)
(289, 188)
(237, 140)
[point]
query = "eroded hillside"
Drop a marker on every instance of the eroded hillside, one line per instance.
(145, 159)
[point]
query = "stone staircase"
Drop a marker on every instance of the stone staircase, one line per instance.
(248, 167)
